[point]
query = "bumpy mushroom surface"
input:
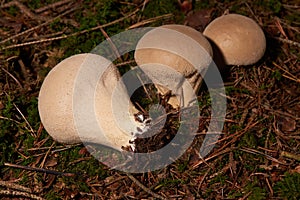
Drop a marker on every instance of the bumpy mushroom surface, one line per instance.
(239, 38)
(67, 124)
(171, 52)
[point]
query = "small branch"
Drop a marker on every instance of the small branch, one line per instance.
(290, 155)
(70, 35)
(148, 21)
(297, 44)
(25, 10)
(20, 194)
(26, 121)
(253, 151)
(225, 151)
(46, 155)
(39, 26)
(138, 183)
(15, 186)
(12, 76)
(112, 45)
(47, 171)
(284, 75)
(53, 5)
(9, 119)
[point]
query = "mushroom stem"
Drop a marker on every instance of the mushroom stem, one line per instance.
(176, 57)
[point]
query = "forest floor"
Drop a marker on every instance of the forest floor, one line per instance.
(256, 157)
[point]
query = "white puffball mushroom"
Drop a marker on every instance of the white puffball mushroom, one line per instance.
(56, 103)
(239, 38)
(183, 50)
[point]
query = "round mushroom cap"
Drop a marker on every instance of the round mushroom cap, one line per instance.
(55, 100)
(75, 103)
(240, 39)
(179, 47)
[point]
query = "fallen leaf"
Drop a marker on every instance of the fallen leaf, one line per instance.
(83, 151)
(1, 105)
(199, 19)
(286, 124)
(51, 162)
(186, 6)
(296, 170)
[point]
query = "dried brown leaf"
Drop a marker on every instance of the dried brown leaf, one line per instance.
(286, 124)
(185, 5)
(1, 105)
(199, 19)
(297, 169)
(51, 162)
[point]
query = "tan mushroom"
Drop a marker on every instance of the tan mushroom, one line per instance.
(170, 53)
(239, 38)
(75, 82)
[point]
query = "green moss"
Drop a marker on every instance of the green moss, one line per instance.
(235, 194)
(249, 140)
(232, 90)
(255, 190)
(203, 4)
(159, 7)
(288, 187)
(170, 182)
(274, 6)
(52, 195)
(8, 127)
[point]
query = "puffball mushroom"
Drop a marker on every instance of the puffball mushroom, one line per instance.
(75, 82)
(170, 53)
(239, 38)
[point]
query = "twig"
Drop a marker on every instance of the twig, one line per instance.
(112, 45)
(56, 150)
(253, 151)
(291, 6)
(46, 155)
(9, 119)
(290, 155)
(148, 21)
(144, 4)
(15, 186)
(20, 194)
(211, 157)
(238, 134)
(284, 75)
(25, 10)
(39, 26)
(278, 112)
(72, 34)
(14, 78)
(47, 171)
(130, 62)
(203, 178)
(24, 71)
(269, 186)
(138, 183)
(253, 14)
(53, 5)
(297, 44)
(278, 24)
(26, 121)
(31, 14)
